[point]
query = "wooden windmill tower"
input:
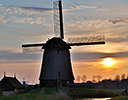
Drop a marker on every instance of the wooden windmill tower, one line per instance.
(56, 63)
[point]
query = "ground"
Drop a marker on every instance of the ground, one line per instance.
(63, 94)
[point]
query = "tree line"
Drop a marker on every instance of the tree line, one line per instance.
(99, 78)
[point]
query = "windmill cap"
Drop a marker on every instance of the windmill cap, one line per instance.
(57, 43)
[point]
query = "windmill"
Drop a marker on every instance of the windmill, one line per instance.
(56, 64)
(25, 82)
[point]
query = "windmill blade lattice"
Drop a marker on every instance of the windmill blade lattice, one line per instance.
(56, 18)
(77, 41)
(30, 48)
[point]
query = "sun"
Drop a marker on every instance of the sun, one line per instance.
(108, 61)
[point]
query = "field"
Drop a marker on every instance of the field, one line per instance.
(63, 94)
(40, 94)
(94, 93)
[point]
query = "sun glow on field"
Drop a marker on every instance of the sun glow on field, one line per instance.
(108, 61)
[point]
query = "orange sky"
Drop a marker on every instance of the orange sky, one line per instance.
(31, 71)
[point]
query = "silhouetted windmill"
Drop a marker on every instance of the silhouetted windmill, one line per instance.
(24, 82)
(56, 63)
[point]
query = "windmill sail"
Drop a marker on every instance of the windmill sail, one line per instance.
(92, 40)
(32, 49)
(28, 48)
(58, 19)
(61, 21)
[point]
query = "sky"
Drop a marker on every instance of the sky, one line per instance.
(31, 21)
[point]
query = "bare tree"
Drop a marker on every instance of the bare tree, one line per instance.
(117, 78)
(78, 79)
(94, 79)
(99, 78)
(84, 78)
(127, 76)
(122, 76)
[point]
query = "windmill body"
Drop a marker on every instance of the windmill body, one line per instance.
(56, 64)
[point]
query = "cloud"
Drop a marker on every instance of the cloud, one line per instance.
(14, 57)
(90, 7)
(120, 54)
(4, 21)
(34, 10)
(87, 56)
(29, 10)
(75, 7)
(1, 17)
(98, 23)
(117, 39)
(93, 56)
(89, 23)
(114, 32)
(0, 4)
(102, 9)
(30, 20)
(12, 9)
(31, 15)
(18, 14)
(117, 21)
(83, 6)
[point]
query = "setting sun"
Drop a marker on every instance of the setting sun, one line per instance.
(108, 61)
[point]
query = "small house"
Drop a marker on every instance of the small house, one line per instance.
(11, 86)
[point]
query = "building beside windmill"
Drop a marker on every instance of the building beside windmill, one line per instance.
(11, 86)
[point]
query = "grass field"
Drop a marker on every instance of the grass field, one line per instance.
(115, 94)
(53, 94)
(31, 96)
(40, 94)
(94, 93)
